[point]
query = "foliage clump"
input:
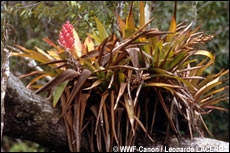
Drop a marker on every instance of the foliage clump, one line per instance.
(113, 86)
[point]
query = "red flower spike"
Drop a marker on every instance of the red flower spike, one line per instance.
(66, 38)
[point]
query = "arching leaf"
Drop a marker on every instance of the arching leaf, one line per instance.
(57, 93)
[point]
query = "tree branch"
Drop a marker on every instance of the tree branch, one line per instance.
(31, 117)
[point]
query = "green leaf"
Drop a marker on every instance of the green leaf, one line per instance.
(156, 53)
(211, 77)
(130, 24)
(58, 92)
(33, 55)
(176, 60)
(205, 53)
(207, 87)
(170, 76)
(102, 31)
(166, 86)
(159, 84)
(97, 39)
(87, 64)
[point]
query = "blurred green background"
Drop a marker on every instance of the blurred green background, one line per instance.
(34, 20)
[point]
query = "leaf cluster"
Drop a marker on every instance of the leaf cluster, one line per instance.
(135, 80)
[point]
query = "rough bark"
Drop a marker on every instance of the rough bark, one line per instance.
(29, 116)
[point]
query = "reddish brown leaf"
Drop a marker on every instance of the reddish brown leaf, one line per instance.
(67, 75)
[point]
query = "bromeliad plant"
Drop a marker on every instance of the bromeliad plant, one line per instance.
(111, 87)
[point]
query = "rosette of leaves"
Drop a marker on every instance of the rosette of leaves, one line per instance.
(112, 86)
